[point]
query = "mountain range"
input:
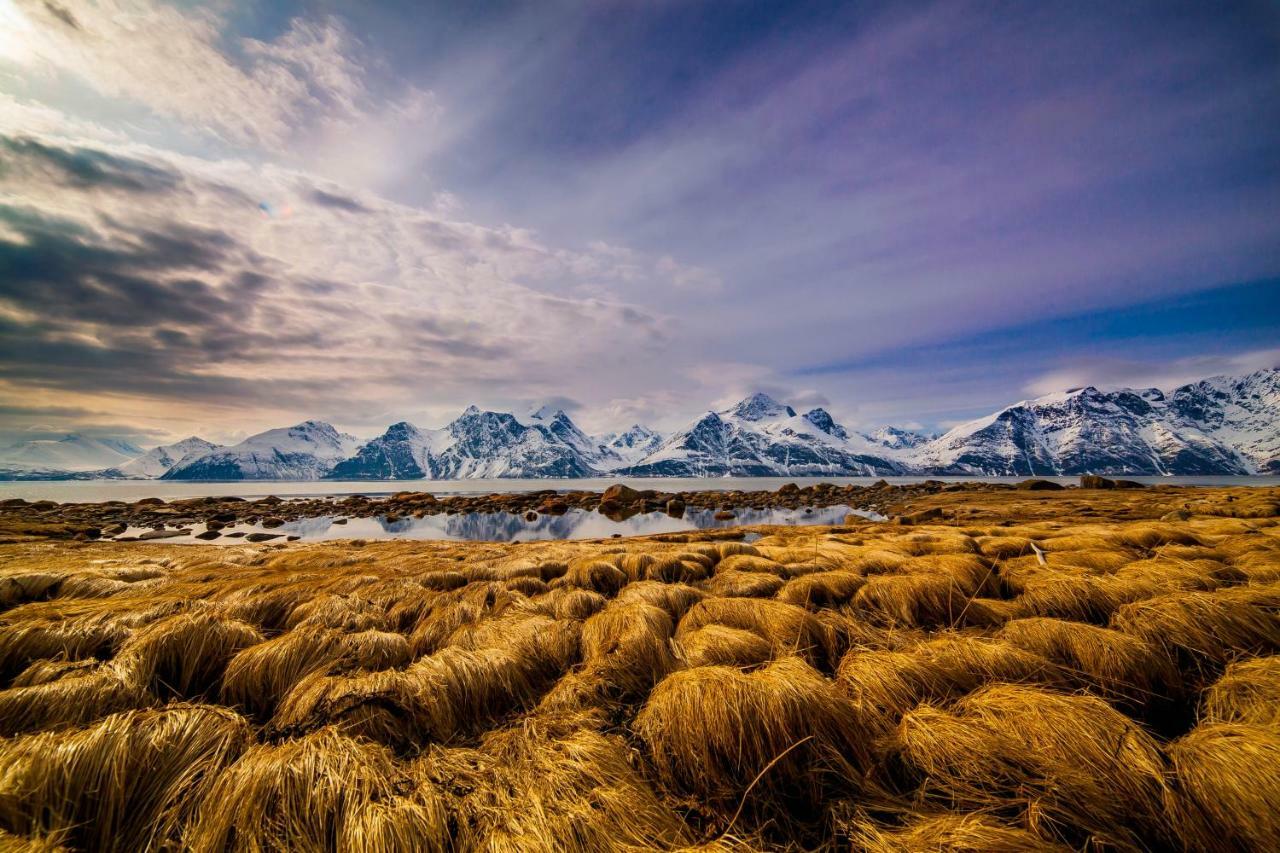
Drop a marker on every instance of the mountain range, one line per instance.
(1221, 425)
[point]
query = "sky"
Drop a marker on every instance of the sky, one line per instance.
(221, 217)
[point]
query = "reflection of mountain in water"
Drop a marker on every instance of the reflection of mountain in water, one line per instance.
(575, 524)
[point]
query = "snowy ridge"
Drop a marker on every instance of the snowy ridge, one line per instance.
(306, 451)
(157, 461)
(1220, 425)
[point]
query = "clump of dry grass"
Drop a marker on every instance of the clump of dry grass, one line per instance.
(440, 696)
(789, 630)
(886, 684)
(184, 655)
(130, 782)
(736, 584)
(260, 676)
(719, 645)
(714, 732)
(80, 697)
(925, 600)
(1226, 793)
(1114, 664)
(1070, 768)
(309, 793)
(949, 833)
(594, 574)
(343, 612)
(752, 563)
(552, 783)
(822, 590)
(1079, 598)
(675, 598)
(1207, 630)
(1248, 692)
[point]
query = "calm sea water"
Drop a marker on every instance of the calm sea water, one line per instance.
(511, 527)
(93, 491)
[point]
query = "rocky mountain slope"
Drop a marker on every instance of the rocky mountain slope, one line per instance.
(760, 437)
(1224, 425)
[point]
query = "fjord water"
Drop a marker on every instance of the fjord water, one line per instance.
(514, 527)
(97, 491)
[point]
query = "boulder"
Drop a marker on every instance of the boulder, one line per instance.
(620, 495)
(1038, 485)
(1093, 481)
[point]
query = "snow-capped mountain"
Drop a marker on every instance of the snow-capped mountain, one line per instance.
(403, 452)
(1222, 425)
(760, 437)
(306, 451)
(158, 460)
(619, 449)
(72, 452)
(476, 445)
(1243, 412)
(897, 438)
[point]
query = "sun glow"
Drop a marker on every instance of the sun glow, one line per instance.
(16, 34)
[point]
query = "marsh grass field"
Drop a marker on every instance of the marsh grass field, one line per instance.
(1077, 669)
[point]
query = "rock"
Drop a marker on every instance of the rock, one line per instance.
(116, 529)
(1093, 481)
(272, 521)
(213, 524)
(235, 534)
(675, 508)
(725, 515)
(160, 534)
(262, 537)
(339, 521)
(620, 495)
(224, 518)
(208, 534)
(1038, 485)
(789, 489)
(1129, 484)
(530, 516)
(149, 502)
(553, 507)
(292, 538)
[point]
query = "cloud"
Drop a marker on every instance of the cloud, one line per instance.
(137, 275)
(176, 61)
(1112, 373)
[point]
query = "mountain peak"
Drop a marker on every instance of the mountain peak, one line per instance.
(760, 406)
(822, 419)
(471, 410)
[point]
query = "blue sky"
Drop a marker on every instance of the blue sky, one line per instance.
(220, 217)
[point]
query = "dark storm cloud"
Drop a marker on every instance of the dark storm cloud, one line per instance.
(84, 168)
(58, 269)
(337, 201)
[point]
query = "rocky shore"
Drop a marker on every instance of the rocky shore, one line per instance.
(153, 518)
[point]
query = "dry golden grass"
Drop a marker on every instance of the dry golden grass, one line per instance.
(941, 687)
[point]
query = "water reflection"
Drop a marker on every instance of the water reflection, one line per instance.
(511, 527)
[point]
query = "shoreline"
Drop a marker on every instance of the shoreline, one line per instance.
(21, 520)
